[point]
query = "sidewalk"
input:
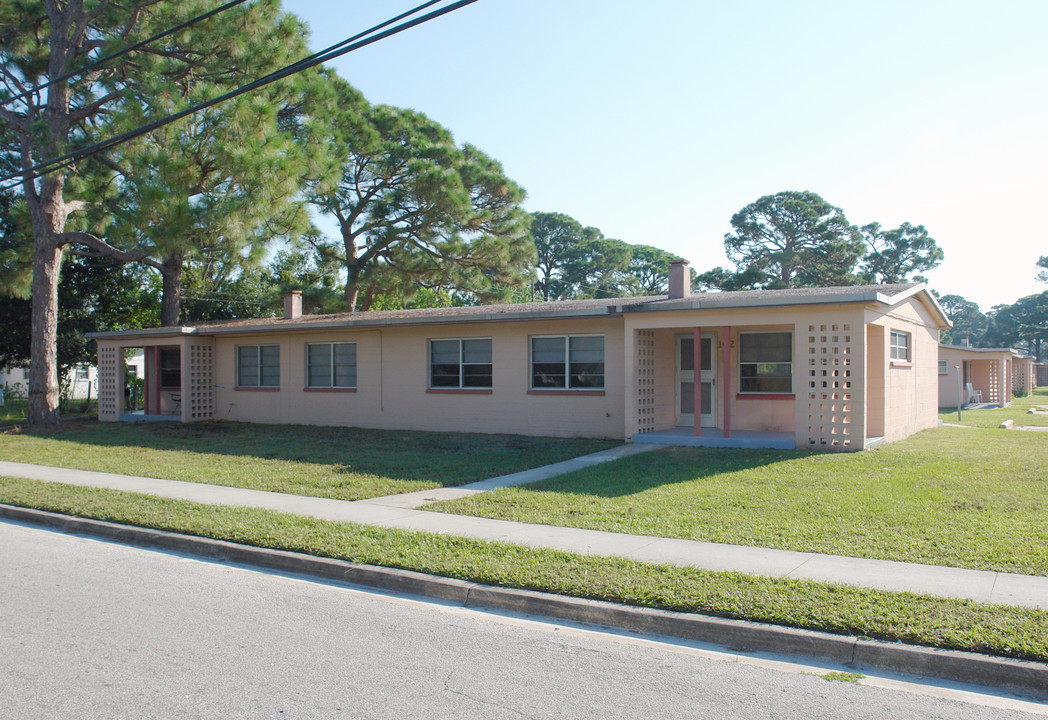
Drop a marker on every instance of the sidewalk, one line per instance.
(401, 511)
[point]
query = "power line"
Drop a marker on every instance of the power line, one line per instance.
(130, 48)
(337, 50)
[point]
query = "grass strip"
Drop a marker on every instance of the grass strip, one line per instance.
(1017, 411)
(906, 617)
(958, 497)
(330, 462)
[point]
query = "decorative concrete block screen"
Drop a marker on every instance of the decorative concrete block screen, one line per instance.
(109, 358)
(645, 365)
(1019, 377)
(995, 382)
(830, 392)
(201, 383)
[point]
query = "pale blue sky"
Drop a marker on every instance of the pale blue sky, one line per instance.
(656, 121)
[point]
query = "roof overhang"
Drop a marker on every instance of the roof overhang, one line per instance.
(814, 296)
(364, 322)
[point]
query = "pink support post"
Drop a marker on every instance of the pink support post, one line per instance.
(726, 379)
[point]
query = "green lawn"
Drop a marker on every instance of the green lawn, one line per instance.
(962, 497)
(920, 619)
(343, 463)
(13, 409)
(1017, 412)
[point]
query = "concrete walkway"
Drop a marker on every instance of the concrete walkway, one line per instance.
(400, 512)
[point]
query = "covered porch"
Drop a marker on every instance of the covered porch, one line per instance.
(174, 385)
(768, 384)
(981, 376)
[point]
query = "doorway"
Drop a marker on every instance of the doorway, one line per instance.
(686, 380)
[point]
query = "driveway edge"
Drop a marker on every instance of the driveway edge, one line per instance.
(1021, 676)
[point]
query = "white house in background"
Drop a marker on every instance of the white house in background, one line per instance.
(82, 380)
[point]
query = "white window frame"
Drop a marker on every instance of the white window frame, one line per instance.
(791, 363)
(331, 365)
(568, 387)
(944, 367)
(899, 349)
(258, 364)
(462, 364)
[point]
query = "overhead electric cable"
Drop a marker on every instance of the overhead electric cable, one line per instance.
(319, 58)
(130, 48)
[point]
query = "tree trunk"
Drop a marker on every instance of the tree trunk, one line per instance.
(42, 409)
(352, 292)
(171, 299)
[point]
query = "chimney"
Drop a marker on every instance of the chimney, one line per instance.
(680, 279)
(292, 304)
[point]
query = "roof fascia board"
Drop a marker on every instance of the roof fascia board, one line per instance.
(167, 332)
(364, 324)
(666, 306)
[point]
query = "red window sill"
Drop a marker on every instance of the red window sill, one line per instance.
(459, 391)
(594, 393)
(765, 396)
(257, 389)
(330, 389)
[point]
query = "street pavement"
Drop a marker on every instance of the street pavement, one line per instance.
(83, 636)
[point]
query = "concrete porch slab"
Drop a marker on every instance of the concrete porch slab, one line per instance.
(139, 416)
(714, 437)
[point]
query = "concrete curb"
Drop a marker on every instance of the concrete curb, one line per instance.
(1021, 676)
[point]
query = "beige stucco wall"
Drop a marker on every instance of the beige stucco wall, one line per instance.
(393, 379)
(911, 389)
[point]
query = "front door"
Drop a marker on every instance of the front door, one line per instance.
(686, 380)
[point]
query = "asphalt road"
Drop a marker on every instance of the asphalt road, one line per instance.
(91, 629)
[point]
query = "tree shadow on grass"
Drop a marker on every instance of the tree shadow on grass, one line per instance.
(668, 466)
(445, 458)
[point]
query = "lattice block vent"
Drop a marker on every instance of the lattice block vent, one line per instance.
(109, 359)
(830, 392)
(995, 381)
(645, 364)
(201, 382)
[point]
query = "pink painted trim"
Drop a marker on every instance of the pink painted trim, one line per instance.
(257, 389)
(459, 391)
(154, 377)
(696, 384)
(594, 393)
(330, 389)
(726, 382)
(765, 396)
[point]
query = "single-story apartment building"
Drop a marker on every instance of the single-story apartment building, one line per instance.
(838, 368)
(989, 375)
